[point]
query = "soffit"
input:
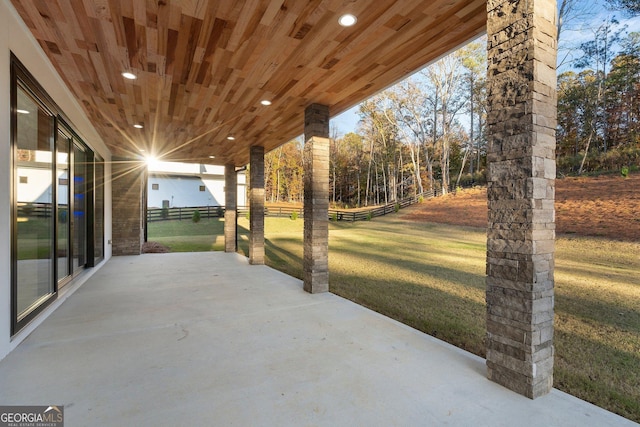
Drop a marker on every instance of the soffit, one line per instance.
(204, 66)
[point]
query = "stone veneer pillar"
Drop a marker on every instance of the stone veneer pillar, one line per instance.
(128, 183)
(230, 208)
(256, 205)
(316, 199)
(521, 122)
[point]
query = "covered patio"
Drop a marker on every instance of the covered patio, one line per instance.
(224, 82)
(207, 339)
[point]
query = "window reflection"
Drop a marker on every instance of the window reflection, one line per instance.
(63, 250)
(34, 195)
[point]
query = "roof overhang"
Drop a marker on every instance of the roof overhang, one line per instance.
(203, 67)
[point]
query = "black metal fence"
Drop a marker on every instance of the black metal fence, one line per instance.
(186, 213)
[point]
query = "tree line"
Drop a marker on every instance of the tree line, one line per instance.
(427, 133)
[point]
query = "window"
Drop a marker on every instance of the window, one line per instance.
(155, 186)
(33, 126)
(56, 201)
(202, 188)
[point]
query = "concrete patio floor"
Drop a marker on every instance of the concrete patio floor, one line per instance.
(205, 339)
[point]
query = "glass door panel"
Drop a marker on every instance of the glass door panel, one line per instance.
(98, 211)
(79, 207)
(34, 204)
(63, 250)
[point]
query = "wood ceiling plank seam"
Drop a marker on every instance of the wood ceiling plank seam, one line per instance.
(253, 30)
(48, 33)
(233, 89)
(175, 16)
(82, 34)
(242, 55)
(129, 26)
(249, 8)
(170, 54)
(104, 86)
(191, 8)
(273, 58)
(255, 61)
(192, 64)
(99, 9)
(218, 70)
(173, 97)
(314, 42)
(307, 18)
(163, 30)
(478, 7)
(24, 9)
(184, 48)
(115, 35)
(123, 9)
(273, 9)
(222, 89)
(151, 15)
(203, 51)
(55, 11)
(152, 56)
(84, 69)
(139, 13)
(141, 43)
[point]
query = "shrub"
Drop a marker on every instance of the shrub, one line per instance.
(196, 216)
(369, 216)
(219, 212)
(294, 215)
(624, 171)
(334, 216)
(396, 208)
(421, 199)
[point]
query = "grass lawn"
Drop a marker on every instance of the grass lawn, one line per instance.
(432, 277)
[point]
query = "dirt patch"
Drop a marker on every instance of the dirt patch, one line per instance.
(605, 206)
(154, 248)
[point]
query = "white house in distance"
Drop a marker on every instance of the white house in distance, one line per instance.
(178, 185)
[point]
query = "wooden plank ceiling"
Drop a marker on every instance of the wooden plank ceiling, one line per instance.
(203, 67)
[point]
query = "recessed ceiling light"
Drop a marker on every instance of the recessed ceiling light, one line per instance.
(138, 126)
(212, 157)
(265, 102)
(129, 75)
(231, 138)
(22, 111)
(347, 20)
(141, 150)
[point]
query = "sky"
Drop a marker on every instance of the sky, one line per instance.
(576, 31)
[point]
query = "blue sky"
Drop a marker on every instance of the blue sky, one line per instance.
(577, 31)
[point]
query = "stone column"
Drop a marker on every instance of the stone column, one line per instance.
(316, 199)
(521, 122)
(128, 182)
(230, 208)
(256, 206)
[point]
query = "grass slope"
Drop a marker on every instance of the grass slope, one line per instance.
(432, 277)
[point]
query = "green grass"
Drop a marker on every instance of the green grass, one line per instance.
(432, 277)
(188, 236)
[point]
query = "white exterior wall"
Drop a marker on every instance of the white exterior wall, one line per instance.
(16, 38)
(182, 191)
(179, 183)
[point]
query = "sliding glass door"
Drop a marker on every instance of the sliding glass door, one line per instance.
(57, 209)
(33, 207)
(79, 227)
(63, 250)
